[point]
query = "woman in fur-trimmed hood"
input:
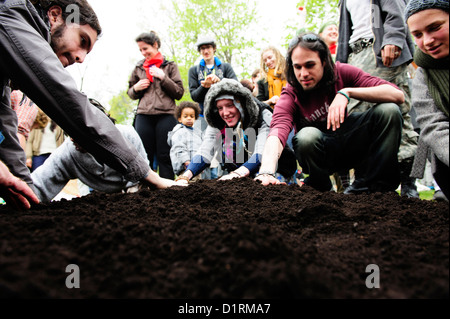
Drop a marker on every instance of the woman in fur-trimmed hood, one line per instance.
(250, 106)
(238, 126)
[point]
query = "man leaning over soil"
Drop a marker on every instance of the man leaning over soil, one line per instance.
(37, 41)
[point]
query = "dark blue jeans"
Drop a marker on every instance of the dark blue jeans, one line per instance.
(367, 141)
(38, 160)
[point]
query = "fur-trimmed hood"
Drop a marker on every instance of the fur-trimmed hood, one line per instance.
(232, 87)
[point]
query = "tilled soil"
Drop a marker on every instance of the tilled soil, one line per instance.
(233, 239)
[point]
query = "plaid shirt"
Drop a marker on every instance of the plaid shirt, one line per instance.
(26, 111)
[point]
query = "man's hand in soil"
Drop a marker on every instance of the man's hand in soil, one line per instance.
(267, 179)
(229, 177)
(15, 191)
(159, 182)
(238, 173)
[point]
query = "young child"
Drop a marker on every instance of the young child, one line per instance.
(184, 140)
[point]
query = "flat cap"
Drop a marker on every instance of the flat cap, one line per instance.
(205, 40)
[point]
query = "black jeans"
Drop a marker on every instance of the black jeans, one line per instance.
(153, 130)
(367, 141)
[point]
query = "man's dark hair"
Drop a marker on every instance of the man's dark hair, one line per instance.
(87, 14)
(247, 84)
(149, 38)
(186, 104)
(98, 105)
(313, 42)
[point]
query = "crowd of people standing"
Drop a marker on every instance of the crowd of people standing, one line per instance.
(339, 101)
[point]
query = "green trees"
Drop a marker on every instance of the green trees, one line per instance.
(318, 12)
(312, 15)
(232, 23)
(237, 27)
(226, 20)
(122, 108)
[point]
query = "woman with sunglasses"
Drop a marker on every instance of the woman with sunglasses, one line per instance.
(327, 140)
(429, 23)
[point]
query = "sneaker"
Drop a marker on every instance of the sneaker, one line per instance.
(282, 179)
(409, 190)
(299, 175)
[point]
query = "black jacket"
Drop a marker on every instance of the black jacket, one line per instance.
(197, 91)
(28, 60)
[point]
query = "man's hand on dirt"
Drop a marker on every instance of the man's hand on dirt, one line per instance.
(14, 191)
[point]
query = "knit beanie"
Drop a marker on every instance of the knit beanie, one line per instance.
(326, 25)
(415, 6)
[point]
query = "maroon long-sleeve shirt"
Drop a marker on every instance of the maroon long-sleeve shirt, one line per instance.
(293, 110)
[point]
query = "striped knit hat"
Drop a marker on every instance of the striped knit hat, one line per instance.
(415, 6)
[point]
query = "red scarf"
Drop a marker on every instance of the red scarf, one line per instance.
(333, 48)
(157, 60)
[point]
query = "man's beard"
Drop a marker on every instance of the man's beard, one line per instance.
(56, 38)
(309, 88)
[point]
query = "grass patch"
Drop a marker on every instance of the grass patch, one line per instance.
(425, 195)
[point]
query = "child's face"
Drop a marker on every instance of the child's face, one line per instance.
(187, 117)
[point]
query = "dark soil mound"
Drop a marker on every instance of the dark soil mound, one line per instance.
(234, 239)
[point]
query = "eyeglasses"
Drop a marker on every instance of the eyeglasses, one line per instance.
(309, 37)
(205, 47)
